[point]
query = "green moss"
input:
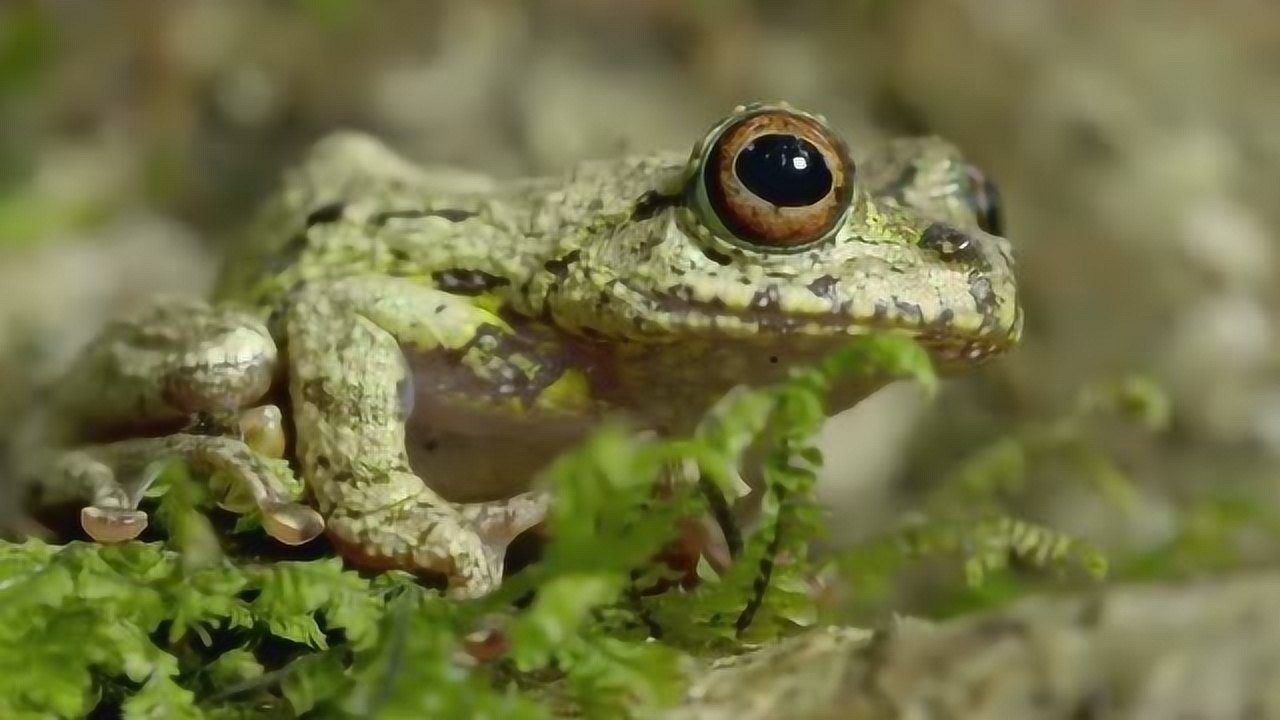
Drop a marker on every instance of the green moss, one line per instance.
(184, 630)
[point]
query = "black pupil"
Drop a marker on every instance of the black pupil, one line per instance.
(784, 170)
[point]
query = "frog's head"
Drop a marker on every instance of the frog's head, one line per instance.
(771, 234)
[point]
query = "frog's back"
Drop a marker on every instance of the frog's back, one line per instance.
(344, 176)
(354, 205)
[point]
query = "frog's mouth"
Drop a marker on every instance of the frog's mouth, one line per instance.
(676, 314)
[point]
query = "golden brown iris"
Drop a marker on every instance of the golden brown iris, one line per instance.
(778, 179)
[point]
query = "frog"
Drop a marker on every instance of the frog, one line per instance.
(416, 344)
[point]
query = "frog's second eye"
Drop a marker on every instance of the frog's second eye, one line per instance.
(777, 179)
(984, 198)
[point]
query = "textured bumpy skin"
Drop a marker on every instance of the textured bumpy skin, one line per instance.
(434, 338)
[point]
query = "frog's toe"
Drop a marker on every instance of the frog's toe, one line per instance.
(292, 523)
(262, 428)
(112, 525)
(500, 521)
(87, 477)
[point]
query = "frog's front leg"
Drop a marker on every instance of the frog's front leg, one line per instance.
(142, 380)
(352, 391)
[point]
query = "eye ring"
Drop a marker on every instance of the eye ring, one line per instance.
(773, 178)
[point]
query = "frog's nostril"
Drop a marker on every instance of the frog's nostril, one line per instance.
(950, 243)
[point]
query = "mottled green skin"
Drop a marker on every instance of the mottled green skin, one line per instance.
(437, 337)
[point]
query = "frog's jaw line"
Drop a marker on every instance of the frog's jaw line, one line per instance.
(760, 326)
(670, 318)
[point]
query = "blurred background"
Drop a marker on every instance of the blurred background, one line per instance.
(1134, 143)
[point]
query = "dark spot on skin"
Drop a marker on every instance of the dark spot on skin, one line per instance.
(716, 256)
(910, 311)
(824, 287)
(560, 266)
(611, 290)
(773, 359)
(323, 462)
(985, 299)
(450, 214)
(651, 203)
(881, 310)
(766, 299)
(595, 205)
(950, 243)
(331, 212)
(313, 393)
(468, 282)
(681, 292)
(288, 254)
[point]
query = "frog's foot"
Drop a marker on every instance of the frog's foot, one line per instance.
(95, 475)
(262, 431)
(425, 534)
(112, 515)
(499, 522)
(241, 465)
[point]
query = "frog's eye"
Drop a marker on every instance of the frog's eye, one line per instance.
(775, 179)
(984, 199)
